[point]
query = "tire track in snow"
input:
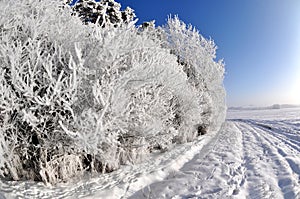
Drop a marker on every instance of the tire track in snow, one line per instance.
(256, 183)
(292, 167)
(244, 162)
(278, 131)
(273, 169)
(215, 172)
(287, 151)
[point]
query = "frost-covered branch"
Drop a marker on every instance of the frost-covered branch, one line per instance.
(88, 97)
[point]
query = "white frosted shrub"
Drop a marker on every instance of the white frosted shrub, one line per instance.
(141, 97)
(197, 57)
(40, 74)
(77, 96)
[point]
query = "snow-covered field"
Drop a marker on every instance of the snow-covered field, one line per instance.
(255, 155)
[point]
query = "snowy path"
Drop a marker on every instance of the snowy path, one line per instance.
(247, 160)
(255, 155)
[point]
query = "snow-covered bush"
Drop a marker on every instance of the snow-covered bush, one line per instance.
(197, 57)
(81, 97)
(40, 74)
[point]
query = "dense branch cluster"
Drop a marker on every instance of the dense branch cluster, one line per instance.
(90, 91)
(105, 12)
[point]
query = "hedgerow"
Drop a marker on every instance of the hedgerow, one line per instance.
(79, 95)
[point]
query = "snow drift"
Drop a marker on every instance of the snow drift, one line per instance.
(82, 92)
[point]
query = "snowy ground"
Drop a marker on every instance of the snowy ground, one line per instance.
(255, 155)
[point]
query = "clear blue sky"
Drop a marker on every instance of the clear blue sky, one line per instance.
(258, 39)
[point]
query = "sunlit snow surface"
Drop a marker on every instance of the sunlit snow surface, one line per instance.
(256, 154)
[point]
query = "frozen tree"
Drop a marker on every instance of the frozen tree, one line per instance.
(40, 73)
(105, 12)
(85, 97)
(197, 57)
(147, 25)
